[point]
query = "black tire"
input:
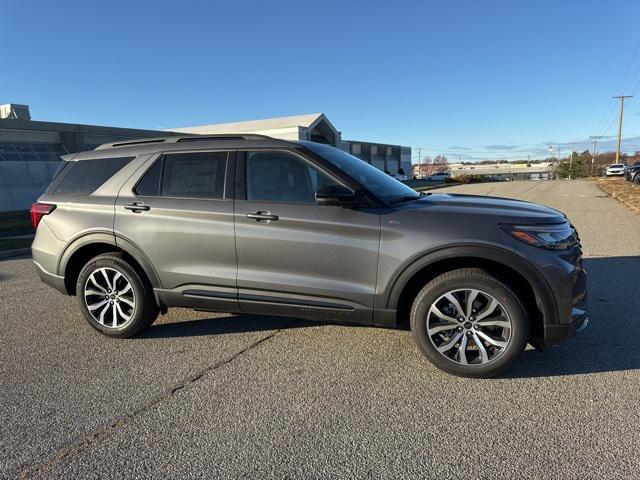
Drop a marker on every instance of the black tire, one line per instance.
(636, 179)
(477, 279)
(141, 315)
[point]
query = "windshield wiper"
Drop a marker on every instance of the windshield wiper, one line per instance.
(405, 198)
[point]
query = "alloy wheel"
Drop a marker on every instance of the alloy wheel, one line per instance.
(109, 297)
(469, 327)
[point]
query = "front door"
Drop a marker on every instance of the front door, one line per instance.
(295, 257)
(179, 216)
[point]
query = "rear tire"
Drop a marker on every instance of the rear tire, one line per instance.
(479, 341)
(114, 297)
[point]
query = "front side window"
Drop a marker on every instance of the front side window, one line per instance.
(274, 176)
(194, 175)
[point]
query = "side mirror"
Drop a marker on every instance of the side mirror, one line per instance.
(335, 195)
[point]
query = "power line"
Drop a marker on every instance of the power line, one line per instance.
(633, 56)
(605, 114)
(608, 110)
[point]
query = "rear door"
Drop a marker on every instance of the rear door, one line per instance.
(295, 257)
(180, 215)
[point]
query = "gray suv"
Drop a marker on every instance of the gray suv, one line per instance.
(257, 225)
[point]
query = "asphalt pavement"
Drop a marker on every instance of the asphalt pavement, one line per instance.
(230, 396)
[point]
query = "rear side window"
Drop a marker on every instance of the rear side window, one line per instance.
(194, 175)
(86, 176)
(185, 175)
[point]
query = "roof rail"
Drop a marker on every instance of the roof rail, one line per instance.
(183, 138)
(222, 136)
(126, 143)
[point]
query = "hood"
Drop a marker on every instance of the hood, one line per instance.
(511, 210)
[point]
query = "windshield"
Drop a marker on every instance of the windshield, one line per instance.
(383, 186)
(616, 165)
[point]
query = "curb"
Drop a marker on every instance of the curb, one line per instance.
(631, 207)
(18, 252)
(619, 198)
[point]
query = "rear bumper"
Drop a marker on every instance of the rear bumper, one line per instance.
(55, 281)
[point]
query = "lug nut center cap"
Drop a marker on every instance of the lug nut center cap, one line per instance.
(467, 325)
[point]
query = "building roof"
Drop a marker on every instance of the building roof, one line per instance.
(306, 121)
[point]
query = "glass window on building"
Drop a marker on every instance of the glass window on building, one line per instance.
(30, 152)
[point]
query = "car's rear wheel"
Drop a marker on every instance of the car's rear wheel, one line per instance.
(469, 323)
(636, 179)
(114, 297)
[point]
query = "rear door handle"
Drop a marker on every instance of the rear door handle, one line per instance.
(263, 216)
(137, 207)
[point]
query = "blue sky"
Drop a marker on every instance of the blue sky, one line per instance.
(483, 79)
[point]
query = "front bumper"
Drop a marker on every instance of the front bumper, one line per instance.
(562, 296)
(555, 334)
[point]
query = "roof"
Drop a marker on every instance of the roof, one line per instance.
(306, 121)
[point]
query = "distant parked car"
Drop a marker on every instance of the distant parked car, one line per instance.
(632, 173)
(440, 176)
(615, 170)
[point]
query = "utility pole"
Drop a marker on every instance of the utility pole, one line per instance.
(571, 160)
(621, 97)
(595, 139)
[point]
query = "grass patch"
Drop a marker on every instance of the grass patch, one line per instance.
(13, 243)
(621, 190)
(15, 221)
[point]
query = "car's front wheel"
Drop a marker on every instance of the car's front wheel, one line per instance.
(469, 323)
(114, 297)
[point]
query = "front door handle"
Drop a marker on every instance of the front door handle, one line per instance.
(263, 216)
(137, 207)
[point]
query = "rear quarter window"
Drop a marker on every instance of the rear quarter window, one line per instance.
(85, 176)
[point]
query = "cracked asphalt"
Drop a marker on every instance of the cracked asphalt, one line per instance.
(230, 396)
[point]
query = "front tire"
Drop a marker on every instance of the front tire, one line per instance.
(114, 297)
(469, 323)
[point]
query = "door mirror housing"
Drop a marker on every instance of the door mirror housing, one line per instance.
(335, 195)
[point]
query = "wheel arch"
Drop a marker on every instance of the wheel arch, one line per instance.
(509, 267)
(82, 249)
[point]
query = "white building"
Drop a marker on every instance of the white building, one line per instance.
(315, 127)
(30, 150)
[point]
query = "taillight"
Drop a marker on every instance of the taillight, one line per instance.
(39, 210)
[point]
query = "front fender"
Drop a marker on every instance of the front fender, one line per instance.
(510, 259)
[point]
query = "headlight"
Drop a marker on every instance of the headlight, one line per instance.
(559, 236)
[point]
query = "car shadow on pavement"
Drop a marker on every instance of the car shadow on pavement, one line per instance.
(233, 323)
(610, 342)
